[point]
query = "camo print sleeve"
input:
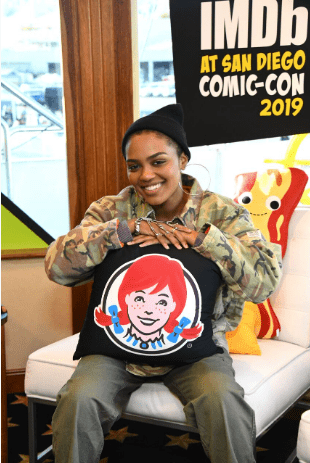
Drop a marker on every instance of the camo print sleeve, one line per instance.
(251, 266)
(71, 258)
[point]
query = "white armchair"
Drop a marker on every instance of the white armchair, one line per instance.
(273, 382)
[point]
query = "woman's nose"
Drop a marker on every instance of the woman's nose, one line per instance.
(147, 173)
(148, 313)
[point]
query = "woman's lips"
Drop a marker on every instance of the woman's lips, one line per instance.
(152, 188)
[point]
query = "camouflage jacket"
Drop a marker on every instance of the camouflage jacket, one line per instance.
(250, 266)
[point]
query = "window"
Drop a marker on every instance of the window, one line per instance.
(223, 161)
(33, 151)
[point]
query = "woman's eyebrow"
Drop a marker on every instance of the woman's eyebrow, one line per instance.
(140, 291)
(163, 294)
(150, 157)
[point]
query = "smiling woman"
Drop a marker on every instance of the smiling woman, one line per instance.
(156, 151)
(171, 264)
(154, 169)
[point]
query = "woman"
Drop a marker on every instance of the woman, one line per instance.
(164, 206)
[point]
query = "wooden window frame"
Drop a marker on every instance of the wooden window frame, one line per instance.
(98, 94)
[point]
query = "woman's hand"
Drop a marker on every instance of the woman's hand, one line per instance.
(146, 240)
(159, 232)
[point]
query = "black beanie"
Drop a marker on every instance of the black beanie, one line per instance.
(167, 120)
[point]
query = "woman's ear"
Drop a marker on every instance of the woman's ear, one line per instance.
(183, 161)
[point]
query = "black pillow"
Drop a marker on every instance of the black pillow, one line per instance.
(151, 305)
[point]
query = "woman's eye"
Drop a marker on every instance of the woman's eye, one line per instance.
(162, 302)
(158, 163)
(139, 299)
(132, 167)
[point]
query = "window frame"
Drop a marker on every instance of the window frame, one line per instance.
(98, 93)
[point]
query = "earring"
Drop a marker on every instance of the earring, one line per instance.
(200, 165)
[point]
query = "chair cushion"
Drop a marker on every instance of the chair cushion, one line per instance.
(291, 299)
(50, 367)
(272, 381)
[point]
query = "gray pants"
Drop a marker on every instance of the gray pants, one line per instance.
(95, 396)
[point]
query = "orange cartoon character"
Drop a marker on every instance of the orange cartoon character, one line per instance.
(271, 197)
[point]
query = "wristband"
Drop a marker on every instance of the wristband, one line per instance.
(137, 225)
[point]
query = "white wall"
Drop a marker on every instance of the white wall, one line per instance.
(39, 311)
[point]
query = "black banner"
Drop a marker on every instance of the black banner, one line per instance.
(241, 68)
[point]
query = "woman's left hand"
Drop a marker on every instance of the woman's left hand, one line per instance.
(147, 240)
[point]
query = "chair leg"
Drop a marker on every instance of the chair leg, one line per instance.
(32, 429)
(34, 456)
(292, 458)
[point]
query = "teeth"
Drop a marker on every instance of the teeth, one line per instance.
(152, 187)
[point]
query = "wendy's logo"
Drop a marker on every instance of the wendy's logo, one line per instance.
(151, 305)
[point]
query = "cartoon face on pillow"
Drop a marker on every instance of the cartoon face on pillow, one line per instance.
(152, 297)
(151, 305)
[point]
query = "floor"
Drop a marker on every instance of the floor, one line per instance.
(147, 443)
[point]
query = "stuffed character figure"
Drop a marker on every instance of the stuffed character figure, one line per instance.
(270, 197)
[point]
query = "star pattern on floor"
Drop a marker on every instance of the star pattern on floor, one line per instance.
(11, 425)
(17, 430)
(20, 400)
(261, 449)
(182, 441)
(49, 432)
(25, 458)
(120, 435)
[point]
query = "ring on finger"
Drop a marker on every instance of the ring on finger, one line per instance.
(152, 229)
(163, 229)
(167, 232)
